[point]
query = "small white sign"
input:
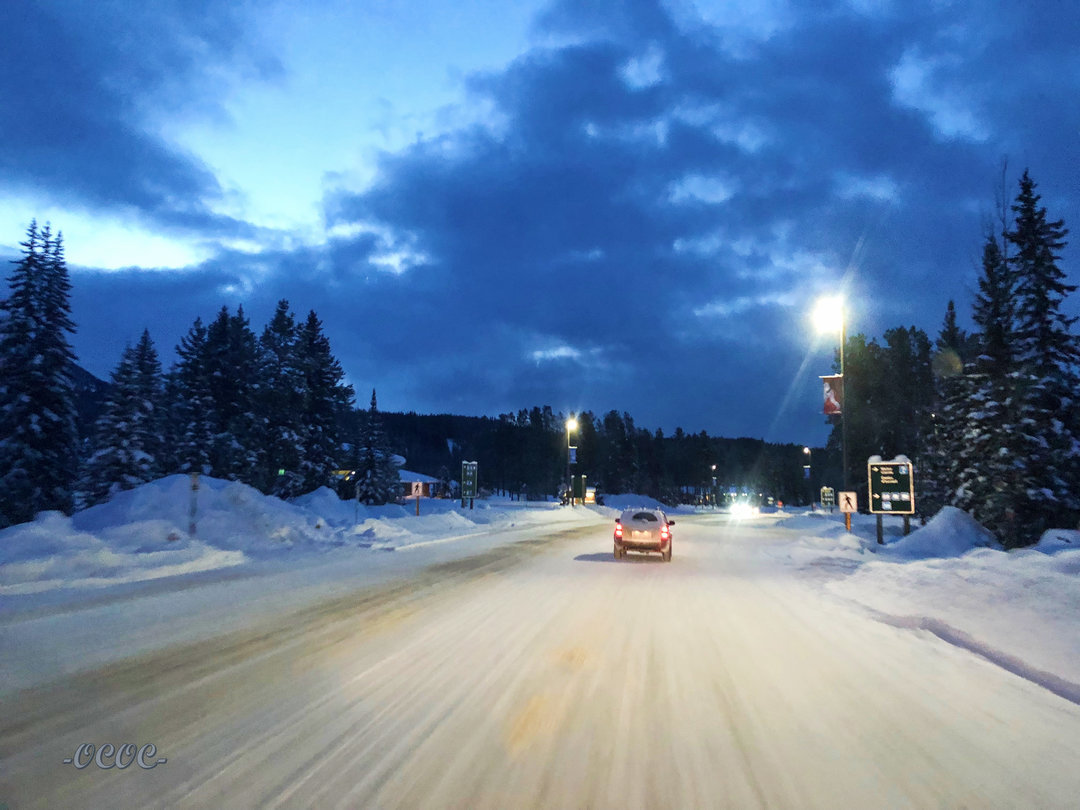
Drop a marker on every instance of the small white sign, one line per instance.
(848, 502)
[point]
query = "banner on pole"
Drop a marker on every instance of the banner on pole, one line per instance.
(834, 394)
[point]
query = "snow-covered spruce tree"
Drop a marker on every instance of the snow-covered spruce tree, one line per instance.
(127, 435)
(151, 391)
(38, 434)
(327, 401)
(936, 465)
(192, 412)
(280, 406)
(1045, 447)
(232, 361)
(376, 474)
(981, 403)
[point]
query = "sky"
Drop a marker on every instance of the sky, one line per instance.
(492, 205)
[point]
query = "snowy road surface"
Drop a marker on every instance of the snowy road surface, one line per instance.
(545, 674)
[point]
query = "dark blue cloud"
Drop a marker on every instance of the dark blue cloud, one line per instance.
(77, 82)
(641, 222)
(559, 224)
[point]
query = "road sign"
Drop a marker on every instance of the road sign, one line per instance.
(849, 502)
(892, 487)
(468, 479)
(578, 487)
(828, 496)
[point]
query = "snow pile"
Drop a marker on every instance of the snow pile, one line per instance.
(951, 578)
(228, 515)
(142, 534)
(51, 552)
(950, 533)
(1058, 540)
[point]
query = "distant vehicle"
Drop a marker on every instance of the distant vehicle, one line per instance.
(643, 530)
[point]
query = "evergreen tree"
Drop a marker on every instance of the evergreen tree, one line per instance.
(326, 402)
(232, 360)
(1045, 428)
(127, 434)
(193, 413)
(151, 404)
(377, 477)
(936, 464)
(38, 434)
(281, 402)
(980, 419)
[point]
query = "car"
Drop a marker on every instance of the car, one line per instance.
(643, 530)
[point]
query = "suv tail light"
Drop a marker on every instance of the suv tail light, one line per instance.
(665, 534)
(618, 529)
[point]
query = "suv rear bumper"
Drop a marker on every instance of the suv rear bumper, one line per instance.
(641, 543)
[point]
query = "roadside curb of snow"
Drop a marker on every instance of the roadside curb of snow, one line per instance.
(1063, 688)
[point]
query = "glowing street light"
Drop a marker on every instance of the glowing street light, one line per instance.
(571, 426)
(829, 316)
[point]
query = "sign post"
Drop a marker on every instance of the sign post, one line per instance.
(193, 506)
(828, 498)
(468, 482)
(892, 491)
(577, 489)
(849, 502)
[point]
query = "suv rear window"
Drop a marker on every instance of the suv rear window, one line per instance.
(646, 516)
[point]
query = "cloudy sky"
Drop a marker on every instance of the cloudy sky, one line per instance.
(494, 205)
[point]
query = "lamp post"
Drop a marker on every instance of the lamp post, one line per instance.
(714, 486)
(808, 466)
(571, 425)
(829, 316)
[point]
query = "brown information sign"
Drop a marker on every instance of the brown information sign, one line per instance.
(892, 487)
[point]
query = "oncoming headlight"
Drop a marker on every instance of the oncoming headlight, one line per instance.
(742, 510)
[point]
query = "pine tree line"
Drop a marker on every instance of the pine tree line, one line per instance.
(265, 411)
(1006, 439)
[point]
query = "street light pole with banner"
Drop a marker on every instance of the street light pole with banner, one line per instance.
(829, 315)
(834, 394)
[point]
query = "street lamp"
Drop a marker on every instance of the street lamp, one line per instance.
(571, 425)
(808, 466)
(829, 317)
(714, 486)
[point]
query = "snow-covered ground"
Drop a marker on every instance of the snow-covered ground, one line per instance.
(1020, 609)
(778, 660)
(67, 584)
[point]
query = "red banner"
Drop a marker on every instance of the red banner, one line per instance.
(834, 394)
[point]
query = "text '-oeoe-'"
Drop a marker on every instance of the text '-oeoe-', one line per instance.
(108, 756)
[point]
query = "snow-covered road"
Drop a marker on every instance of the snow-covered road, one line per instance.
(545, 674)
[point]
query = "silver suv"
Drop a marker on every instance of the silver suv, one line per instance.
(643, 530)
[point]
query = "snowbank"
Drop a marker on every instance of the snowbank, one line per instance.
(142, 534)
(950, 533)
(51, 552)
(951, 578)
